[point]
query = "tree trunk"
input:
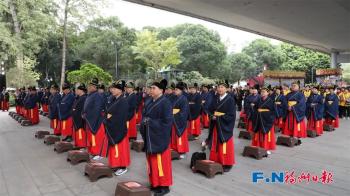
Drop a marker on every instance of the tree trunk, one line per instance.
(64, 44)
(17, 30)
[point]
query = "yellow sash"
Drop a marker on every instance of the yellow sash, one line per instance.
(127, 124)
(160, 166)
(64, 125)
(330, 102)
(79, 133)
(93, 141)
(278, 103)
(116, 151)
(219, 113)
(175, 111)
(263, 110)
(224, 148)
(292, 103)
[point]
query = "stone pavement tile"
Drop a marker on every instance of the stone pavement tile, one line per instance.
(85, 189)
(98, 193)
(3, 188)
(65, 192)
(49, 183)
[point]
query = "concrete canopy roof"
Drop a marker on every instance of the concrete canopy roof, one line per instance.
(322, 25)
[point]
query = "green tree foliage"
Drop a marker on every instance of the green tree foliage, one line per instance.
(87, 72)
(302, 59)
(100, 41)
(264, 53)
(156, 54)
(24, 75)
(201, 49)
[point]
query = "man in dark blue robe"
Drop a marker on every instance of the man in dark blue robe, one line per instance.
(116, 129)
(281, 108)
(132, 102)
(94, 116)
(54, 100)
(206, 98)
(295, 121)
(249, 105)
(264, 132)
(331, 108)
(156, 124)
(315, 111)
(223, 116)
(31, 106)
(194, 101)
(179, 141)
(79, 131)
(65, 113)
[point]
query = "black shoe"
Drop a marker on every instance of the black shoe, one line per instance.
(227, 168)
(162, 191)
(69, 139)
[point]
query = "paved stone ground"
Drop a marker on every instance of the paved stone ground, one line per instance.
(30, 168)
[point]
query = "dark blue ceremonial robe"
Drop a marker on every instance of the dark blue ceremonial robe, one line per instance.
(300, 108)
(224, 124)
(180, 119)
(206, 101)
(157, 120)
(93, 111)
(78, 106)
(31, 100)
(194, 101)
(281, 106)
(132, 102)
(264, 120)
(248, 108)
(65, 106)
(116, 117)
(317, 109)
(45, 98)
(331, 109)
(54, 101)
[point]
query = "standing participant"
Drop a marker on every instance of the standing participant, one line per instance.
(315, 111)
(206, 99)
(307, 92)
(194, 101)
(65, 113)
(132, 102)
(17, 100)
(140, 103)
(249, 105)
(169, 92)
(264, 130)
(45, 100)
(295, 120)
(93, 115)
(1, 100)
(179, 141)
(31, 106)
(281, 108)
(78, 121)
(331, 106)
(54, 101)
(116, 129)
(6, 101)
(285, 89)
(157, 120)
(223, 113)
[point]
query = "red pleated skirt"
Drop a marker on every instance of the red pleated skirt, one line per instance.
(293, 128)
(79, 138)
(45, 108)
(179, 144)
(132, 131)
(332, 122)
(119, 154)
(205, 120)
(33, 115)
(315, 125)
(279, 122)
(194, 127)
(66, 127)
(159, 168)
(54, 125)
(98, 143)
(266, 141)
(222, 153)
